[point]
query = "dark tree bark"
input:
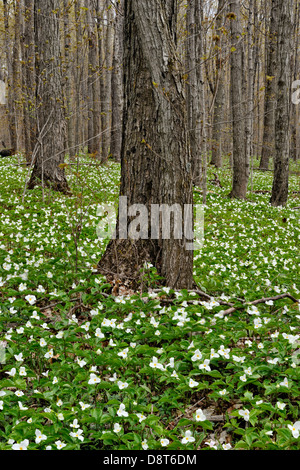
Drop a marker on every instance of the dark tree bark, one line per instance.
(51, 125)
(282, 115)
(78, 77)
(270, 94)
(218, 117)
(29, 79)
(11, 84)
(104, 14)
(195, 86)
(93, 84)
(249, 129)
(155, 165)
(117, 86)
(240, 159)
(68, 82)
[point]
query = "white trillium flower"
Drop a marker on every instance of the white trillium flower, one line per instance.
(285, 382)
(245, 414)
(196, 356)
(94, 379)
(31, 299)
(123, 353)
(121, 411)
(155, 364)
(21, 446)
(205, 365)
(122, 385)
(117, 427)
(141, 417)
(193, 383)
(200, 416)
(164, 442)
(60, 444)
(187, 438)
(295, 428)
(77, 434)
(12, 372)
(39, 436)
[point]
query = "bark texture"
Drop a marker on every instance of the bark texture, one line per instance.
(29, 79)
(282, 115)
(218, 117)
(117, 89)
(268, 146)
(240, 161)
(155, 164)
(51, 125)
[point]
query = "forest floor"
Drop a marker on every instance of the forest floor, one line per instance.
(81, 368)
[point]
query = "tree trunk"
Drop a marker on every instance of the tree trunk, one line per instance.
(70, 118)
(282, 115)
(78, 78)
(240, 161)
(48, 169)
(117, 86)
(93, 84)
(218, 115)
(29, 79)
(10, 81)
(155, 157)
(250, 89)
(193, 90)
(270, 93)
(105, 47)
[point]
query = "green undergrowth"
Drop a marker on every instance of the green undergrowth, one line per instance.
(82, 369)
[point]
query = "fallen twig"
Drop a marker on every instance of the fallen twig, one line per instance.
(260, 301)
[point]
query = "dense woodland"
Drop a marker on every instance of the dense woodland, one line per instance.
(130, 343)
(215, 41)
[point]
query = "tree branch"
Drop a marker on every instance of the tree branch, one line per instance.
(261, 301)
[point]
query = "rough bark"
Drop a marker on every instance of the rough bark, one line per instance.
(270, 93)
(29, 79)
(250, 89)
(10, 81)
(93, 84)
(78, 78)
(117, 86)
(218, 113)
(48, 168)
(105, 47)
(155, 155)
(68, 82)
(240, 160)
(195, 88)
(282, 115)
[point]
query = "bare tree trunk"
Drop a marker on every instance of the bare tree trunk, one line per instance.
(193, 88)
(93, 84)
(155, 151)
(295, 122)
(78, 78)
(10, 81)
(250, 89)
(17, 75)
(105, 47)
(218, 114)
(29, 85)
(48, 169)
(117, 88)
(282, 116)
(70, 118)
(200, 51)
(270, 94)
(240, 161)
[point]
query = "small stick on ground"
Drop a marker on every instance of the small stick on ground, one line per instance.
(261, 301)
